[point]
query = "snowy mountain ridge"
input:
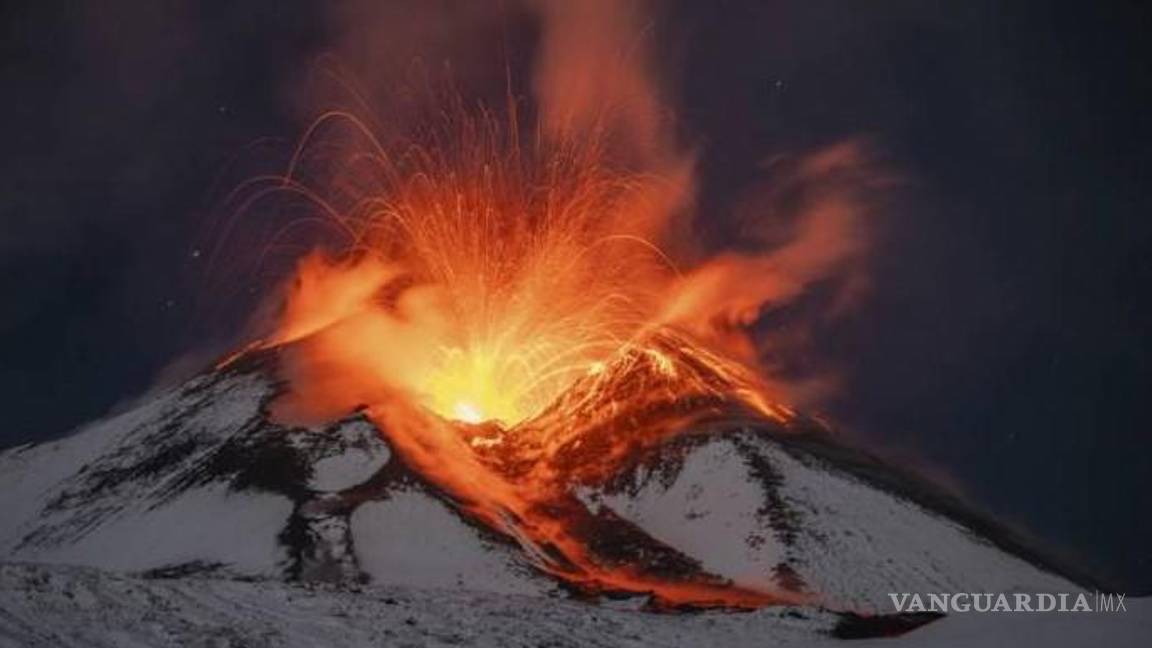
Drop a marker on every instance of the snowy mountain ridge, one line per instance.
(198, 482)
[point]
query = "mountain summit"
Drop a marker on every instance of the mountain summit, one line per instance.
(201, 480)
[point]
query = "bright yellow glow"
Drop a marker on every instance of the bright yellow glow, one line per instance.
(467, 412)
(480, 385)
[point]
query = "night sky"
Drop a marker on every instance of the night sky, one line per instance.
(1005, 348)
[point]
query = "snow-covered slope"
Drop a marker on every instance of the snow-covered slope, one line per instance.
(49, 607)
(766, 511)
(198, 480)
(132, 492)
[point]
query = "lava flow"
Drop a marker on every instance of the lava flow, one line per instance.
(511, 337)
(517, 312)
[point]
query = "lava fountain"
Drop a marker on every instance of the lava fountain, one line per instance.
(481, 282)
(516, 311)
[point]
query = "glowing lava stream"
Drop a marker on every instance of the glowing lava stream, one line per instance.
(504, 319)
(518, 305)
(544, 518)
(511, 315)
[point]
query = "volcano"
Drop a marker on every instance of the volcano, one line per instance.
(200, 481)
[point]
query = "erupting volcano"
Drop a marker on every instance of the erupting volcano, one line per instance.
(518, 311)
(508, 320)
(505, 326)
(481, 282)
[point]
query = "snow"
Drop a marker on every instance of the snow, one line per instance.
(30, 474)
(163, 486)
(62, 607)
(207, 525)
(861, 542)
(413, 539)
(709, 513)
(852, 543)
(363, 455)
(65, 607)
(52, 514)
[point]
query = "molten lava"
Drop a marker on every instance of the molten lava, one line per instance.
(482, 281)
(514, 339)
(517, 310)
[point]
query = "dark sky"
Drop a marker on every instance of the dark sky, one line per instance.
(1005, 347)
